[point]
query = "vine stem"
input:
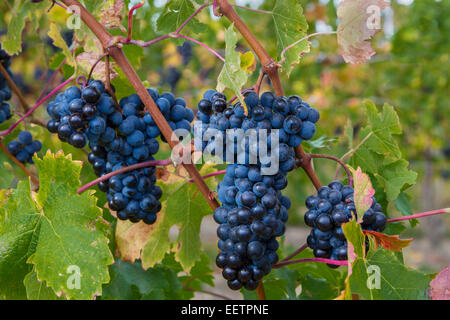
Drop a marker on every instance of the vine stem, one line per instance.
(141, 165)
(49, 82)
(342, 163)
(251, 9)
(192, 16)
(296, 252)
(19, 164)
(14, 88)
(108, 41)
(95, 65)
(270, 67)
(199, 43)
(176, 34)
(37, 105)
(259, 82)
(218, 173)
(304, 161)
(282, 55)
(260, 291)
(329, 261)
(130, 20)
(350, 153)
(421, 215)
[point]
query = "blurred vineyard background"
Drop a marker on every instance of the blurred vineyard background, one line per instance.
(410, 71)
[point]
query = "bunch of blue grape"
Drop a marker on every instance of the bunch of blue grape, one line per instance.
(5, 93)
(24, 147)
(253, 211)
(118, 136)
(328, 210)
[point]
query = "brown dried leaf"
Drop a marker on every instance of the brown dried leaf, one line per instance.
(86, 60)
(360, 21)
(440, 285)
(111, 17)
(162, 174)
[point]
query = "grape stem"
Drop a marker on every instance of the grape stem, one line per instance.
(108, 84)
(251, 9)
(37, 105)
(304, 161)
(19, 164)
(95, 65)
(342, 163)
(421, 215)
(329, 261)
(141, 165)
(49, 82)
(218, 173)
(259, 82)
(14, 88)
(296, 252)
(130, 20)
(350, 153)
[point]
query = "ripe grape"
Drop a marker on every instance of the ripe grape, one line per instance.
(253, 211)
(24, 147)
(328, 210)
(117, 139)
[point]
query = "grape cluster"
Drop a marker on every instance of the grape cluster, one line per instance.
(5, 93)
(24, 147)
(119, 136)
(328, 210)
(253, 212)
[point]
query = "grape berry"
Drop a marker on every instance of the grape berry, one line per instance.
(253, 212)
(328, 210)
(24, 147)
(118, 136)
(5, 93)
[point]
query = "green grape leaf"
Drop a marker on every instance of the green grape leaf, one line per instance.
(318, 281)
(129, 281)
(380, 275)
(275, 289)
(38, 290)
(175, 13)
(290, 26)
(359, 21)
(232, 75)
(19, 230)
(394, 176)
(185, 207)
(19, 16)
(403, 204)
(382, 127)
(71, 254)
(201, 272)
(380, 154)
(59, 42)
